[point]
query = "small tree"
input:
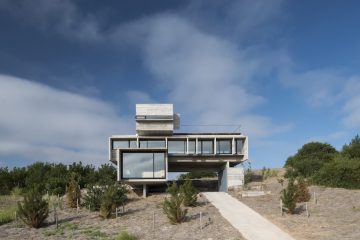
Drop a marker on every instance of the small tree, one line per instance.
(288, 196)
(93, 197)
(189, 193)
(113, 197)
(33, 210)
(73, 192)
(172, 206)
(302, 193)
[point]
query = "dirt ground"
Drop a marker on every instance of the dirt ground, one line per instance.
(336, 215)
(137, 219)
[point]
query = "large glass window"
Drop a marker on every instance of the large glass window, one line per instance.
(223, 146)
(192, 146)
(152, 143)
(124, 143)
(206, 146)
(239, 146)
(143, 165)
(177, 146)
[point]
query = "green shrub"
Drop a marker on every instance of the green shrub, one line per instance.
(197, 175)
(288, 196)
(302, 193)
(33, 211)
(73, 192)
(7, 214)
(113, 197)
(189, 193)
(125, 236)
(309, 159)
(93, 197)
(172, 206)
(343, 172)
(352, 150)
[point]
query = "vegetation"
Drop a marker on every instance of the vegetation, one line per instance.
(288, 196)
(34, 209)
(309, 159)
(7, 214)
(189, 193)
(113, 197)
(73, 192)
(53, 178)
(125, 236)
(249, 174)
(321, 164)
(197, 175)
(172, 206)
(92, 199)
(302, 193)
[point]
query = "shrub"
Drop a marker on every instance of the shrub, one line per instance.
(34, 210)
(197, 175)
(342, 172)
(93, 197)
(73, 192)
(353, 149)
(309, 159)
(113, 197)
(172, 206)
(7, 214)
(288, 196)
(125, 236)
(302, 193)
(189, 193)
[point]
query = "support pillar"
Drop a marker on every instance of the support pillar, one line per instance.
(223, 179)
(145, 190)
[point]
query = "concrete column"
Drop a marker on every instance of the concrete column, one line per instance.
(118, 163)
(145, 190)
(223, 179)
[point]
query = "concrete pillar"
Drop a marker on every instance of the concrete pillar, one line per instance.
(145, 190)
(223, 179)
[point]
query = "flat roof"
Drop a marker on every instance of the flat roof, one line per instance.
(208, 133)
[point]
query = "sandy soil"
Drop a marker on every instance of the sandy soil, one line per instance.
(138, 219)
(336, 215)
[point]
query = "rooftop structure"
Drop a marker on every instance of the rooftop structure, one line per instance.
(155, 150)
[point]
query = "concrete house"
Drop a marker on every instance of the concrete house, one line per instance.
(146, 158)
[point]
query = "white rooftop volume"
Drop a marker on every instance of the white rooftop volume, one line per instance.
(156, 119)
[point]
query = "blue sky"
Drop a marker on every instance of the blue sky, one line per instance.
(72, 70)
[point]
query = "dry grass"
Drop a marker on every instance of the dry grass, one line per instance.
(137, 220)
(336, 215)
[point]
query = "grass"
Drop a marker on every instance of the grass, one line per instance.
(94, 233)
(7, 214)
(61, 229)
(125, 236)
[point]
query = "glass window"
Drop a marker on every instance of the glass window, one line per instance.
(206, 146)
(239, 146)
(143, 165)
(223, 146)
(192, 146)
(133, 144)
(177, 146)
(159, 165)
(152, 143)
(120, 144)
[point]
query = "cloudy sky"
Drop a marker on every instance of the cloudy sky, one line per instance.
(71, 72)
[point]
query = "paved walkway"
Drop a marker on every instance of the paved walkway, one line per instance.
(251, 224)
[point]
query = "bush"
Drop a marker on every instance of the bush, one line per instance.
(288, 196)
(197, 175)
(7, 214)
(309, 159)
(189, 193)
(125, 236)
(353, 149)
(302, 193)
(93, 197)
(34, 210)
(172, 206)
(113, 197)
(342, 172)
(73, 192)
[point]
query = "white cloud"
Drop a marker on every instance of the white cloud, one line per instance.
(38, 122)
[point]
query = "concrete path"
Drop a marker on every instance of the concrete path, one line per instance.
(251, 224)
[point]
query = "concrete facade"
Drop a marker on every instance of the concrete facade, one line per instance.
(148, 156)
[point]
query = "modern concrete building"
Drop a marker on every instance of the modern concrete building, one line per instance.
(147, 157)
